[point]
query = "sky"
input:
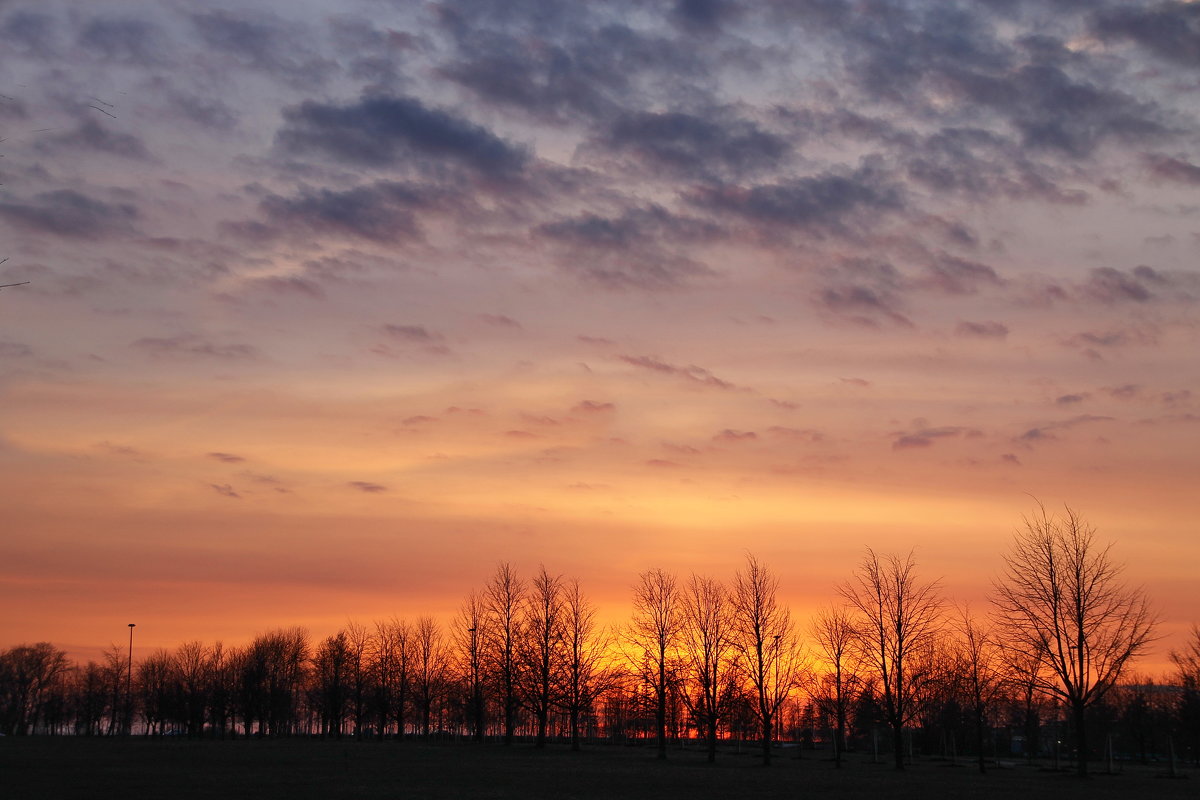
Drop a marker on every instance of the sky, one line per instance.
(333, 307)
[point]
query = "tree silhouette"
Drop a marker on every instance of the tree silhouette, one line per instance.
(653, 640)
(155, 688)
(115, 670)
(430, 666)
(27, 673)
(587, 674)
(1062, 604)
(192, 676)
(899, 618)
(709, 656)
(391, 660)
(984, 673)
(835, 636)
(359, 641)
(89, 690)
(1187, 661)
(271, 675)
(1187, 673)
(502, 599)
(702, 656)
(468, 633)
(331, 676)
(765, 638)
(541, 652)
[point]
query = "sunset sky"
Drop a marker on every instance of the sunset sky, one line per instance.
(333, 306)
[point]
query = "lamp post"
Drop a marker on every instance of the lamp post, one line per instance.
(129, 685)
(476, 694)
(777, 706)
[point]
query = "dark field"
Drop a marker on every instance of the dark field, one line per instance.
(57, 768)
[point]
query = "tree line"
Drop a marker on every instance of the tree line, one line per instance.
(700, 662)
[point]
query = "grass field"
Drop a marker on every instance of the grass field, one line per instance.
(61, 768)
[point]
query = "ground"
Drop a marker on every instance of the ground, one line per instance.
(297, 769)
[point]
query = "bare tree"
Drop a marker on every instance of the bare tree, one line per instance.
(429, 670)
(220, 688)
(653, 640)
(391, 661)
(984, 671)
(768, 648)
(468, 633)
(90, 692)
(587, 673)
(1187, 673)
(898, 618)
(271, 673)
(154, 686)
(709, 656)
(502, 598)
(1187, 662)
(359, 640)
(26, 674)
(116, 668)
(193, 675)
(1061, 597)
(835, 636)
(540, 650)
(1025, 675)
(331, 665)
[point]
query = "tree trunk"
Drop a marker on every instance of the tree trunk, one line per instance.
(1032, 725)
(979, 721)
(898, 743)
(839, 739)
(1081, 768)
(766, 740)
(401, 712)
(510, 718)
(661, 723)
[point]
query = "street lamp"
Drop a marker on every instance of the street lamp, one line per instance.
(476, 693)
(775, 701)
(129, 684)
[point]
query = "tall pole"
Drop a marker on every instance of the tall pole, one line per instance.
(776, 706)
(476, 694)
(129, 685)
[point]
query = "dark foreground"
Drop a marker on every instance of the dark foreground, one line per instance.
(55, 768)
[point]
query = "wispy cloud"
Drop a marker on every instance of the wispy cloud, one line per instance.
(590, 407)
(689, 373)
(989, 329)
(367, 486)
(1046, 431)
(927, 437)
(122, 450)
(191, 346)
(411, 333)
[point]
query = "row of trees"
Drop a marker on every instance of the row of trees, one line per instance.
(698, 657)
